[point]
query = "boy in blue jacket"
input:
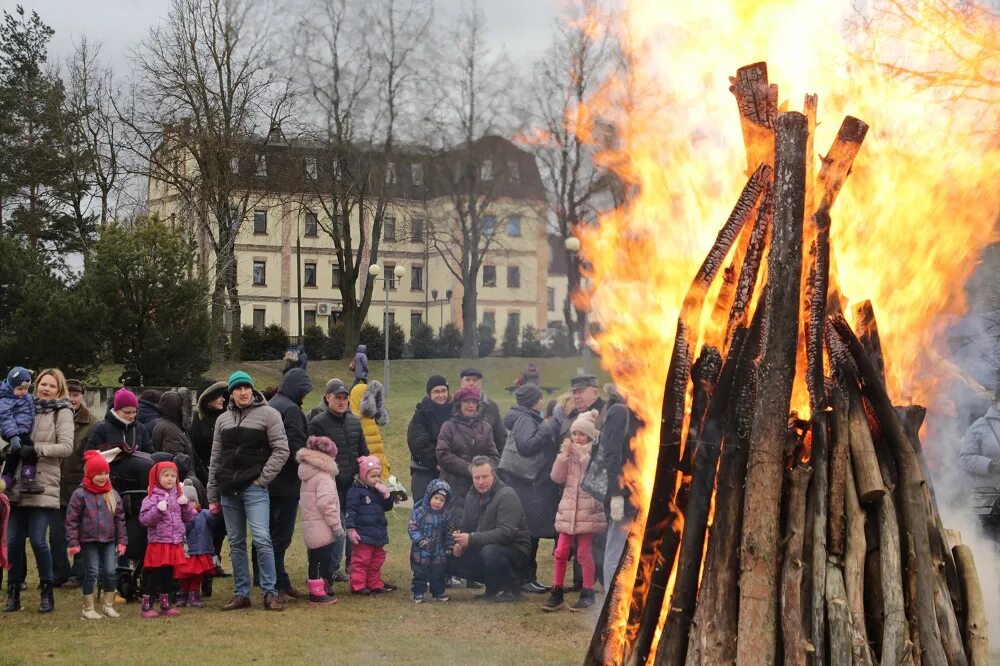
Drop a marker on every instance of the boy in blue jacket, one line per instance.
(17, 419)
(430, 530)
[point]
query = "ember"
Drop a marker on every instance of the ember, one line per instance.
(783, 570)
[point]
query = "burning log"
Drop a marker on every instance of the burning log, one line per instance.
(839, 454)
(974, 630)
(759, 551)
(911, 482)
(896, 645)
(758, 106)
(795, 644)
(867, 327)
(705, 376)
(854, 569)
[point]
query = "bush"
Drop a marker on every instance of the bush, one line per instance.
(422, 342)
(316, 344)
(509, 346)
(487, 343)
(562, 343)
(449, 342)
(531, 346)
(273, 343)
(335, 342)
(372, 336)
(251, 343)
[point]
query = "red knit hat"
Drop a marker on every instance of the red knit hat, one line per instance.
(94, 463)
(469, 393)
(154, 474)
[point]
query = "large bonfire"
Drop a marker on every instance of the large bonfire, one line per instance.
(769, 307)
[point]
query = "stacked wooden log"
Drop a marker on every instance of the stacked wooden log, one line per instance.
(826, 545)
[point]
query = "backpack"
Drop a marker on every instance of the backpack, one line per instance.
(516, 464)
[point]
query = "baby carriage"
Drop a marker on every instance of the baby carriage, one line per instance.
(129, 574)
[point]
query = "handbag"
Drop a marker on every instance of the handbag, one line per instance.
(352, 364)
(595, 479)
(516, 464)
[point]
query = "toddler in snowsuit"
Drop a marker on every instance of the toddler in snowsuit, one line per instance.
(17, 419)
(430, 531)
(367, 528)
(200, 551)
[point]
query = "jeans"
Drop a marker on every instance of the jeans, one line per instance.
(252, 506)
(617, 539)
(98, 558)
(584, 555)
(366, 567)
(31, 524)
(419, 478)
(432, 574)
(62, 569)
(282, 525)
(319, 562)
(499, 567)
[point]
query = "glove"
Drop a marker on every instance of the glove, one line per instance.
(15, 443)
(382, 489)
(120, 549)
(27, 451)
(182, 499)
(162, 505)
(72, 551)
(26, 440)
(353, 535)
(617, 508)
(423, 544)
(214, 509)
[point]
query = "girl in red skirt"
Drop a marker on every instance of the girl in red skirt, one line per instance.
(164, 512)
(200, 549)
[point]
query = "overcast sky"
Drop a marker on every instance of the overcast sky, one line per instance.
(523, 26)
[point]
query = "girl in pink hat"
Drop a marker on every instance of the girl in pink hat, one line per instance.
(367, 528)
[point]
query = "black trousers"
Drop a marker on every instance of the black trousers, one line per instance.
(419, 478)
(498, 567)
(430, 574)
(319, 561)
(282, 523)
(157, 580)
(62, 569)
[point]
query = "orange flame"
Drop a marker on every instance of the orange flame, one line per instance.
(908, 226)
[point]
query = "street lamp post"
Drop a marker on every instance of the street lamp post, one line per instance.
(572, 244)
(440, 304)
(398, 272)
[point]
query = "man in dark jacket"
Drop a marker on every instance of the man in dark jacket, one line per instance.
(422, 433)
(344, 428)
(472, 378)
(494, 545)
(148, 415)
(620, 427)
(284, 490)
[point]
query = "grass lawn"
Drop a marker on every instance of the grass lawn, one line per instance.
(389, 628)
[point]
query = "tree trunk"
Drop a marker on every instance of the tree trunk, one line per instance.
(236, 330)
(760, 560)
(470, 298)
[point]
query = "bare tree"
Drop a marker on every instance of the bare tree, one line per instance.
(359, 67)
(209, 93)
(474, 85)
(565, 77)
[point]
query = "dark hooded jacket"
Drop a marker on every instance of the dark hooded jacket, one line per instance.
(540, 497)
(168, 434)
(112, 432)
(294, 387)
(148, 416)
(203, 423)
(422, 433)
(365, 512)
(619, 428)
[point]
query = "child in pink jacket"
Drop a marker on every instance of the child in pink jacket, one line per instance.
(320, 506)
(164, 514)
(580, 516)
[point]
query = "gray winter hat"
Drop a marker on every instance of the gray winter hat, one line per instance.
(528, 395)
(583, 381)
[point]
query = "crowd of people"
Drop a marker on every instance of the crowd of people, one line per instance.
(487, 489)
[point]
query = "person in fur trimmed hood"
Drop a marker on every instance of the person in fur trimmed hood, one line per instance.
(368, 404)
(320, 506)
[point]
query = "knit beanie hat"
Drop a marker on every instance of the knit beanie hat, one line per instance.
(239, 378)
(528, 395)
(18, 376)
(587, 424)
(366, 464)
(470, 393)
(93, 464)
(439, 487)
(189, 491)
(324, 444)
(124, 399)
(434, 381)
(154, 474)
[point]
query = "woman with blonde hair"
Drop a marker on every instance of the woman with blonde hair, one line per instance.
(52, 437)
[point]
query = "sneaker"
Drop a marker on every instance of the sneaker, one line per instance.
(418, 598)
(473, 585)
(453, 581)
(365, 592)
(339, 577)
(507, 596)
(389, 587)
(443, 597)
(534, 587)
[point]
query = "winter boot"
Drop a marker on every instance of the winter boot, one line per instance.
(318, 595)
(165, 608)
(13, 598)
(585, 601)
(48, 602)
(29, 481)
(146, 610)
(194, 599)
(88, 608)
(6, 482)
(108, 599)
(555, 600)
(180, 599)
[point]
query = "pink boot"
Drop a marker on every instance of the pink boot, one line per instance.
(165, 608)
(318, 595)
(146, 609)
(194, 599)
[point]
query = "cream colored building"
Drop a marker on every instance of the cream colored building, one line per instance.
(511, 283)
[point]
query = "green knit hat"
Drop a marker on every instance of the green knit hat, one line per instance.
(239, 378)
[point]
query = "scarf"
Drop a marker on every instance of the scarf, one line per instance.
(44, 406)
(92, 487)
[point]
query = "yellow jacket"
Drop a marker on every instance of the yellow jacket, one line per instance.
(368, 403)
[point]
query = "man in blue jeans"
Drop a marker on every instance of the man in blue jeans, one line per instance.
(249, 448)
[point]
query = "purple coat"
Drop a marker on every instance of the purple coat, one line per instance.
(88, 519)
(17, 415)
(165, 526)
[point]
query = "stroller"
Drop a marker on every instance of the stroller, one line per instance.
(129, 574)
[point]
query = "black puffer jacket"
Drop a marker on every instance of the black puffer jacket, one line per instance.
(203, 423)
(168, 435)
(345, 431)
(294, 387)
(422, 433)
(148, 416)
(112, 432)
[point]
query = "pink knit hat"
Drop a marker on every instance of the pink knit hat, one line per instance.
(368, 463)
(125, 399)
(587, 424)
(323, 444)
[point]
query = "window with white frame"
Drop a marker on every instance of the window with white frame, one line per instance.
(489, 275)
(260, 221)
(417, 174)
(312, 171)
(234, 165)
(389, 228)
(486, 170)
(514, 226)
(489, 225)
(513, 277)
(259, 315)
(309, 274)
(260, 166)
(259, 272)
(417, 230)
(311, 224)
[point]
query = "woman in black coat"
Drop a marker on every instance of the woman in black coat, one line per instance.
(421, 435)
